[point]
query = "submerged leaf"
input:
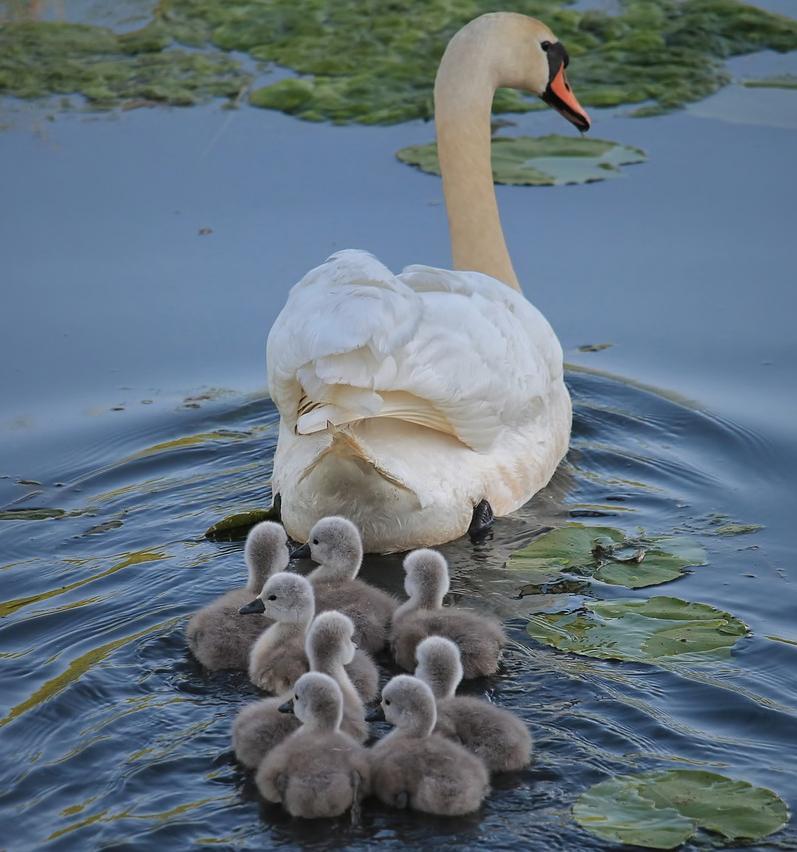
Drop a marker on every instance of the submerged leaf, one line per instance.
(30, 514)
(658, 629)
(239, 524)
(737, 529)
(661, 810)
(541, 160)
(605, 554)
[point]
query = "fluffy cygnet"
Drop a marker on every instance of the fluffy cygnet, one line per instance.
(495, 735)
(478, 637)
(259, 727)
(217, 636)
(336, 546)
(413, 767)
(277, 660)
(329, 649)
(318, 771)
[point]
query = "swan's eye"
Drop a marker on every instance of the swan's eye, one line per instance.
(545, 45)
(296, 696)
(272, 597)
(315, 541)
(387, 701)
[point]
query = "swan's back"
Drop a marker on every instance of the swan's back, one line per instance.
(407, 399)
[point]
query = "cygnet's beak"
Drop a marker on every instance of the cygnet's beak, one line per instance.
(302, 552)
(253, 607)
(287, 707)
(375, 714)
(558, 93)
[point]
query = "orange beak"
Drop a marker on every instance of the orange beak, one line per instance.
(560, 96)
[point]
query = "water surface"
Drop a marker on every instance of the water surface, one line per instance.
(131, 366)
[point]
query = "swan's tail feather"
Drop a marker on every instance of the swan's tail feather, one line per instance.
(399, 405)
(344, 444)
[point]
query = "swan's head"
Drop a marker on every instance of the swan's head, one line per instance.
(317, 700)
(266, 552)
(329, 640)
(287, 598)
(408, 704)
(439, 665)
(522, 53)
(426, 580)
(335, 544)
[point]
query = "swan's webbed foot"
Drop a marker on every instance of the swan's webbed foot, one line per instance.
(482, 520)
(356, 798)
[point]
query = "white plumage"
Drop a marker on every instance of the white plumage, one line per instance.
(407, 399)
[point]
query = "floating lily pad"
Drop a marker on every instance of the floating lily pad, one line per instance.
(239, 524)
(658, 629)
(605, 554)
(661, 810)
(541, 160)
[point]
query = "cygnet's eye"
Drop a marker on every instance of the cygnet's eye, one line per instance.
(545, 45)
(315, 541)
(272, 597)
(387, 701)
(296, 696)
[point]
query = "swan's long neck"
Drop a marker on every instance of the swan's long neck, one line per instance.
(466, 82)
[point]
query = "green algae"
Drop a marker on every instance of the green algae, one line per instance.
(541, 161)
(781, 81)
(44, 58)
(374, 63)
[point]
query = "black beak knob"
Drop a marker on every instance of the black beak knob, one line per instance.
(253, 607)
(375, 714)
(302, 552)
(287, 707)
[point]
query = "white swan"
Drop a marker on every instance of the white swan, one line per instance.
(416, 404)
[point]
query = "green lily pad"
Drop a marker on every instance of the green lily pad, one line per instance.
(239, 524)
(658, 629)
(541, 160)
(605, 554)
(661, 810)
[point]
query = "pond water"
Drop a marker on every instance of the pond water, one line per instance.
(131, 366)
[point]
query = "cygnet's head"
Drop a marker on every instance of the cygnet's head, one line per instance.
(317, 701)
(286, 597)
(335, 544)
(439, 665)
(408, 704)
(426, 581)
(266, 552)
(329, 640)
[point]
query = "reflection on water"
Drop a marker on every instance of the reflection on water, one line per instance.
(113, 734)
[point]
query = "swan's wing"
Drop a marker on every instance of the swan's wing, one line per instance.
(335, 339)
(458, 352)
(483, 354)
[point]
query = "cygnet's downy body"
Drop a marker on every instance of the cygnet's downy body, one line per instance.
(496, 736)
(413, 767)
(318, 771)
(330, 650)
(278, 658)
(217, 635)
(478, 637)
(336, 546)
(259, 727)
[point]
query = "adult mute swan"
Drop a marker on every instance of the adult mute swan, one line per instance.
(419, 404)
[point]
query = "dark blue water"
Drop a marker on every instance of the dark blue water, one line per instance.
(113, 735)
(132, 412)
